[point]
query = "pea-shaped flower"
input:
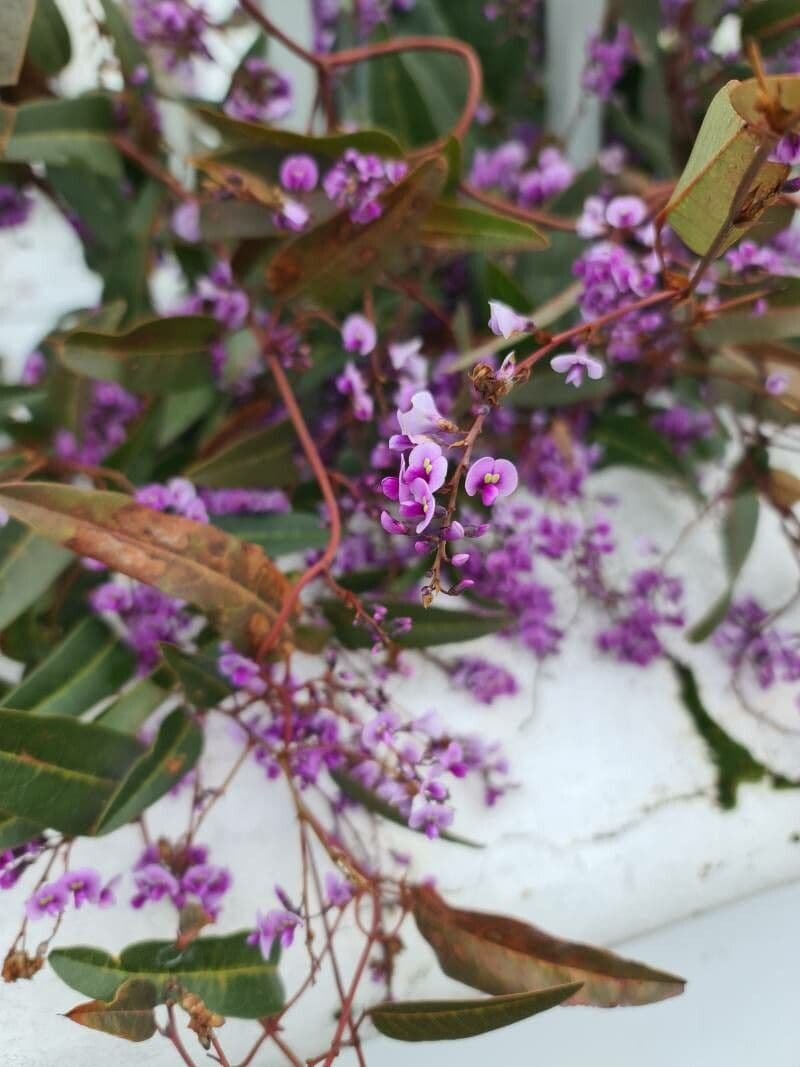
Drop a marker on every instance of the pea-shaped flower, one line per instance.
(492, 478)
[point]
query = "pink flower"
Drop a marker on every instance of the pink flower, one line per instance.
(576, 364)
(427, 462)
(492, 478)
(626, 212)
(358, 335)
(83, 884)
(504, 321)
(49, 899)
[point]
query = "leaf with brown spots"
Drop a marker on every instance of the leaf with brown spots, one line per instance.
(129, 1014)
(340, 258)
(500, 955)
(232, 582)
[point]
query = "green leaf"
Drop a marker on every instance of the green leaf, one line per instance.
(237, 131)
(14, 830)
(448, 1020)
(452, 227)
(719, 168)
(501, 286)
(15, 24)
(257, 460)
(230, 976)
(157, 356)
(397, 103)
(233, 583)
(133, 708)
(49, 46)
(130, 53)
(279, 534)
(174, 752)
(129, 1015)
(234, 220)
(89, 665)
(340, 258)
(63, 132)
(58, 772)
(500, 955)
(773, 23)
(629, 441)
(738, 534)
(29, 564)
(734, 764)
(354, 790)
(430, 626)
(180, 410)
(198, 677)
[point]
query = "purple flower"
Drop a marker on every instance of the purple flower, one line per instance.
(626, 212)
(241, 672)
(427, 462)
(380, 730)
(776, 383)
(83, 884)
(575, 365)
(292, 216)
(504, 321)
(356, 182)
(430, 817)
(244, 501)
(276, 925)
(15, 206)
(176, 27)
(406, 359)
(185, 221)
(485, 680)
(417, 502)
(49, 899)
(684, 426)
(258, 93)
(351, 383)
(358, 334)
(423, 420)
(338, 891)
(207, 882)
(153, 882)
(492, 478)
(745, 638)
(218, 295)
(787, 150)
(299, 174)
(34, 369)
(606, 61)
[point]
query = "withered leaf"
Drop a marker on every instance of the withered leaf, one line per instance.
(497, 954)
(128, 1015)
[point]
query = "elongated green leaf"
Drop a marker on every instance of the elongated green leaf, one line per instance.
(258, 460)
(448, 1020)
(500, 955)
(15, 24)
(738, 534)
(339, 258)
(29, 564)
(158, 356)
(397, 102)
(62, 132)
(58, 772)
(134, 707)
(455, 228)
(89, 665)
(234, 583)
(130, 53)
(198, 677)
(174, 752)
(728, 142)
(771, 22)
(354, 790)
(49, 45)
(14, 830)
(180, 410)
(129, 1015)
(237, 131)
(430, 626)
(230, 976)
(277, 534)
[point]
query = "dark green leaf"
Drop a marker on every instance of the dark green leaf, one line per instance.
(49, 45)
(278, 535)
(455, 228)
(430, 626)
(258, 460)
(29, 564)
(230, 976)
(448, 1020)
(89, 665)
(174, 752)
(198, 677)
(15, 24)
(14, 830)
(180, 410)
(501, 286)
(629, 441)
(129, 1015)
(773, 23)
(397, 103)
(58, 772)
(130, 711)
(354, 790)
(499, 955)
(63, 132)
(738, 534)
(157, 356)
(130, 53)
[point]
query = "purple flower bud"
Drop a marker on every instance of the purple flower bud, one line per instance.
(358, 334)
(626, 212)
(299, 174)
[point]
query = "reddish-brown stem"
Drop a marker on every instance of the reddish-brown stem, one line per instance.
(223, 1059)
(151, 166)
(320, 473)
(269, 27)
(347, 1003)
(514, 211)
(172, 1033)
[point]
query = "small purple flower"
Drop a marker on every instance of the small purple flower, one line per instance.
(299, 174)
(427, 462)
(417, 502)
(15, 206)
(485, 680)
(83, 885)
(504, 321)
(380, 730)
(575, 365)
(185, 221)
(276, 925)
(351, 383)
(258, 93)
(423, 420)
(207, 882)
(626, 212)
(492, 478)
(776, 383)
(430, 817)
(49, 899)
(34, 369)
(338, 891)
(241, 672)
(358, 334)
(154, 882)
(292, 216)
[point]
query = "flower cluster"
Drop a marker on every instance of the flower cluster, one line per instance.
(651, 601)
(218, 295)
(105, 425)
(82, 886)
(15, 861)
(176, 28)
(607, 59)
(181, 875)
(505, 168)
(258, 93)
(750, 642)
(356, 181)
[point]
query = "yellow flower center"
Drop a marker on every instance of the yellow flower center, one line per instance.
(491, 479)
(427, 466)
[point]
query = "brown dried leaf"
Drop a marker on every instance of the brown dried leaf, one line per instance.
(497, 954)
(233, 582)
